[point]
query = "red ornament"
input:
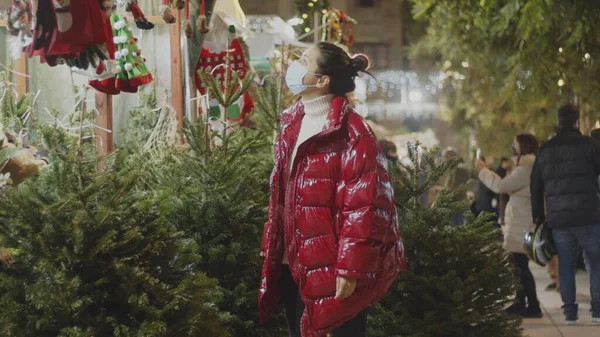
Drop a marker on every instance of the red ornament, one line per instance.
(139, 52)
(144, 59)
(124, 17)
(131, 41)
(135, 39)
(136, 63)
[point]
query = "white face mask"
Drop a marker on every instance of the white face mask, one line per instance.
(294, 78)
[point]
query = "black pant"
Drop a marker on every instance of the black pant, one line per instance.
(527, 287)
(294, 308)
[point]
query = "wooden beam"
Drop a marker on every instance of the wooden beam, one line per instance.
(176, 70)
(157, 19)
(21, 81)
(104, 119)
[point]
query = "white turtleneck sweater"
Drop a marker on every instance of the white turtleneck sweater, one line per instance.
(315, 117)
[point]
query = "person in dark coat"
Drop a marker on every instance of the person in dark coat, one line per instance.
(565, 193)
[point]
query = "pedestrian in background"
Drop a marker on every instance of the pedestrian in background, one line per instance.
(518, 220)
(565, 192)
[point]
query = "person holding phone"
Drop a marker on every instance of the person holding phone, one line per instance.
(518, 219)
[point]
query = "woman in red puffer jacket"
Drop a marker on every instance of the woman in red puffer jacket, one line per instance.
(331, 245)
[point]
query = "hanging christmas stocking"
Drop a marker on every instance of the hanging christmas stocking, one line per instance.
(140, 19)
(209, 61)
(45, 32)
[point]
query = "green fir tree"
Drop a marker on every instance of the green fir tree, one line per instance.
(93, 256)
(221, 200)
(459, 279)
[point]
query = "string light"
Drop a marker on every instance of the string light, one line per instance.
(304, 16)
(307, 29)
(394, 82)
(587, 56)
(310, 4)
(560, 50)
(561, 82)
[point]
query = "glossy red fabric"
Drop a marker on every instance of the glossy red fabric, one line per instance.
(339, 219)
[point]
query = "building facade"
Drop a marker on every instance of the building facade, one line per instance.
(379, 32)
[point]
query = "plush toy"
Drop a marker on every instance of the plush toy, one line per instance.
(23, 165)
(23, 162)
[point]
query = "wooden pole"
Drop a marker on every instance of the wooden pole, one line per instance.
(21, 81)
(176, 69)
(104, 119)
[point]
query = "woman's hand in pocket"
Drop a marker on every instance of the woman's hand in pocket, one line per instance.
(345, 287)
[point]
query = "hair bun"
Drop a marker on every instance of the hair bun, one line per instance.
(360, 63)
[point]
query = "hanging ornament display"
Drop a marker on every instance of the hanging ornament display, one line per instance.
(140, 19)
(202, 21)
(131, 71)
(70, 32)
(167, 8)
(103, 78)
(339, 28)
(188, 30)
(20, 23)
(231, 60)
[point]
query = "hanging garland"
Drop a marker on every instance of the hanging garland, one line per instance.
(338, 28)
(305, 10)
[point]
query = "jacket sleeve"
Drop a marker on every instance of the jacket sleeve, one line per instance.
(514, 182)
(367, 210)
(538, 209)
(596, 156)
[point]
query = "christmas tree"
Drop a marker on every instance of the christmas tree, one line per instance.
(459, 280)
(93, 256)
(131, 67)
(220, 198)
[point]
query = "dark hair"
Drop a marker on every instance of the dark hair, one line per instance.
(568, 115)
(503, 159)
(340, 67)
(528, 144)
(386, 146)
(595, 134)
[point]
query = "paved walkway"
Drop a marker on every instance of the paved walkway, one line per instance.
(553, 323)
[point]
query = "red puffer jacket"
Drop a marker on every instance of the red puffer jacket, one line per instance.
(339, 218)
